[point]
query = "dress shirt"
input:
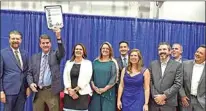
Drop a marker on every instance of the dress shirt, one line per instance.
(196, 75)
(47, 78)
(163, 66)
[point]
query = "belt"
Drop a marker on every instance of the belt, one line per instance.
(45, 87)
(193, 95)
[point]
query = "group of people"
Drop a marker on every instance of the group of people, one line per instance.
(105, 84)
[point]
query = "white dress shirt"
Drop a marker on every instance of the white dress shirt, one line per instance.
(163, 66)
(196, 75)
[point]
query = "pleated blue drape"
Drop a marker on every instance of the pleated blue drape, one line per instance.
(144, 34)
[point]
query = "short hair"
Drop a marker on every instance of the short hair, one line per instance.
(203, 46)
(44, 36)
(15, 32)
(124, 42)
(181, 47)
(165, 43)
(84, 51)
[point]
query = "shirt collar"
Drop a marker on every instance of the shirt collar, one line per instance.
(179, 60)
(42, 55)
(199, 64)
(124, 57)
(15, 49)
(165, 61)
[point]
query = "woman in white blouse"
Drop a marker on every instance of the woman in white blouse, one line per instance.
(77, 76)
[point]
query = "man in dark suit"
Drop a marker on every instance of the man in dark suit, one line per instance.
(193, 88)
(166, 80)
(13, 69)
(44, 74)
(122, 60)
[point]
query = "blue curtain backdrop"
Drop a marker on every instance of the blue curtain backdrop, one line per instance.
(144, 34)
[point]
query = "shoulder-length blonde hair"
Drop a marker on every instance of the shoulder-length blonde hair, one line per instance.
(140, 63)
(111, 53)
(84, 51)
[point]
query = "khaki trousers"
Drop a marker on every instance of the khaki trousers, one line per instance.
(46, 96)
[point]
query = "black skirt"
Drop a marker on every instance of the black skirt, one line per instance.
(78, 104)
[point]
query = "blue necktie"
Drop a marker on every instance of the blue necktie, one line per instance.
(42, 69)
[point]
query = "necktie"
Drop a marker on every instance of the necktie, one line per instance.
(42, 69)
(17, 58)
(125, 62)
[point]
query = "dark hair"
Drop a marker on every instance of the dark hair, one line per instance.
(165, 43)
(203, 46)
(84, 51)
(15, 32)
(124, 42)
(44, 36)
(140, 63)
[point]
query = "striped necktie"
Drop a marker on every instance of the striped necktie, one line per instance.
(17, 58)
(42, 69)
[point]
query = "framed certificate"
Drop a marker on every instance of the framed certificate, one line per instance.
(54, 16)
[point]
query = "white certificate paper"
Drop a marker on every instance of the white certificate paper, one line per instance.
(54, 16)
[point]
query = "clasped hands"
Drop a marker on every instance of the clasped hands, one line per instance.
(98, 90)
(160, 99)
(72, 93)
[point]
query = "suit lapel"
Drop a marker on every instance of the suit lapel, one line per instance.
(169, 65)
(38, 63)
(23, 57)
(202, 76)
(14, 58)
(191, 64)
(159, 70)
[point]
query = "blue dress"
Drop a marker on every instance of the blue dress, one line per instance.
(133, 97)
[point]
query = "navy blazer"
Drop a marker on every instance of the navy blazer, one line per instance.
(54, 64)
(12, 77)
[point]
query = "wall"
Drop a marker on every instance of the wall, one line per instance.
(109, 8)
(171, 10)
(184, 10)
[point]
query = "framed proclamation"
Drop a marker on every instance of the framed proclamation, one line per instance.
(54, 16)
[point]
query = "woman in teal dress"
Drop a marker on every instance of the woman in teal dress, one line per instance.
(105, 70)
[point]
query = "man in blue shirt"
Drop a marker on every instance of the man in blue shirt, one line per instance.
(44, 74)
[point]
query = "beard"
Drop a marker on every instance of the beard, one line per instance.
(163, 55)
(15, 45)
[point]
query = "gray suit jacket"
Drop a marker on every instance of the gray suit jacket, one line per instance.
(187, 79)
(54, 64)
(169, 84)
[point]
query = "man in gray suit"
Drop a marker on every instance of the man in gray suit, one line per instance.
(176, 52)
(193, 89)
(44, 74)
(166, 80)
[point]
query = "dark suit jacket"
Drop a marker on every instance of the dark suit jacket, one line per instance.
(54, 64)
(169, 84)
(120, 64)
(187, 79)
(12, 77)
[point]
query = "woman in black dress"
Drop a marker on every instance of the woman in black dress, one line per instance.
(77, 75)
